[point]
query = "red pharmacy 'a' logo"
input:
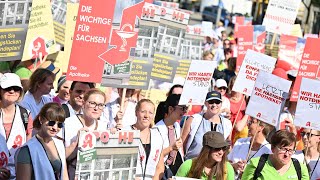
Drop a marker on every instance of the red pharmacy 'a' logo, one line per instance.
(259, 115)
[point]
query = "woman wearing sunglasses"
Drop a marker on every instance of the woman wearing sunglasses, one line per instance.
(198, 124)
(93, 105)
(211, 163)
(150, 160)
(170, 132)
(311, 152)
(15, 121)
(43, 156)
(40, 85)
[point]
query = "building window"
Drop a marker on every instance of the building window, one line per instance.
(15, 12)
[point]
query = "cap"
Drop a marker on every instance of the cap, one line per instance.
(214, 139)
(213, 95)
(61, 80)
(9, 80)
(221, 83)
(280, 73)
(49, 65)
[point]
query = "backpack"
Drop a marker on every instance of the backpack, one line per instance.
(263, 159)
(24, 116)
(66, 110)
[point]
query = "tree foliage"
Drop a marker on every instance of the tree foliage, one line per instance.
(316, 2)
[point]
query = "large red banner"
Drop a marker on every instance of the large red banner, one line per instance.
(309, 66)
(245, 42)
(91, 37)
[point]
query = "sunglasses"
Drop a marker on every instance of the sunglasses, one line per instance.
(183, 108)
(308, 134)
(14, 88)
(222, 88)
(214, 101)
(52, 123)
(219, 149)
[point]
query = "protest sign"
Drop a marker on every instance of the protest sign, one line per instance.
(71, 19)
(191, 50)
(308, 105)
(310, 35)
(171, 32)
(252, 64)
(259, 37)
(281, 15)
(268, 97)
(40, 36)
(59, 10)
(124, 36)
(103, 155)
(182, 178)
(198, 80)
(239, 21)
(245, 40)
(309, 66)
(91, 35)
(12, 42)
(135, 73)
(295, 31)
(290, 52)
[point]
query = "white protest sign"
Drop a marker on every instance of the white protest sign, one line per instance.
(268, 96)
(280, 15)
(252, 63)
(308, 107)
(197, 82)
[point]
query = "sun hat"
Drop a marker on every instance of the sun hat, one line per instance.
(214, 139)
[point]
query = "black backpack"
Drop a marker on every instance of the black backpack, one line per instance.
(24, 116)
(263, 159)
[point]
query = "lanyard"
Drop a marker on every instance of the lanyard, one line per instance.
(314, 166)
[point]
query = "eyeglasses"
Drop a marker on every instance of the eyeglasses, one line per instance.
(52, 123)
(14, 88)
(183, 108)
(284, 150)
(219, 149)
(222, 88)
(214, 101)
(308, 134)
(251, 122)
(92, 104)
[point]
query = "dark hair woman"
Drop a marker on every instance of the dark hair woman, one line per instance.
(43, 156)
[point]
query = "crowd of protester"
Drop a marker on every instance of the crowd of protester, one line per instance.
(39, 128)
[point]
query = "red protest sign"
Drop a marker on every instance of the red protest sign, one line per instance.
(239, 22)
(309, 66)
(286, 55)
(245, 42)
(92, 31)
(125, 38)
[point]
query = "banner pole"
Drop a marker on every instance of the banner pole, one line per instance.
(234, 122)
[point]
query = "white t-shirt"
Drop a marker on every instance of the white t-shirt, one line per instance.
(129, 117)
(316, 170)
(110, 111)
(30, 103)
(241, 149)
(71, 127)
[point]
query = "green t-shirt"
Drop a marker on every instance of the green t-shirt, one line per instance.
(269, 172)
(23, 72)
(186, 166)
